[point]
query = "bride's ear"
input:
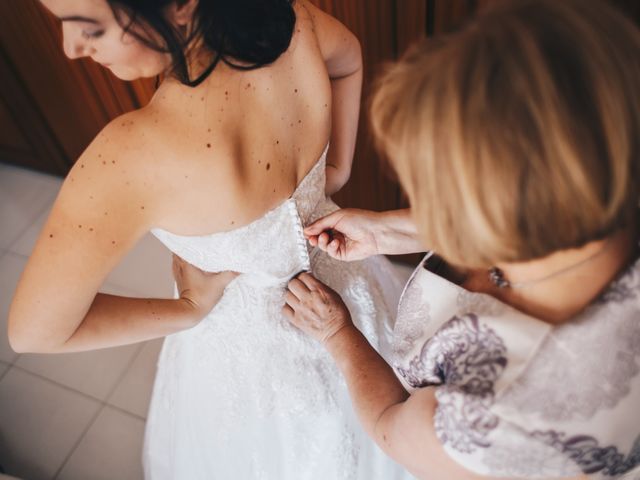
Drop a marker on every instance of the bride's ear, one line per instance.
(180, 12)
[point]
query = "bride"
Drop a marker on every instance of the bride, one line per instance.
(226, 165)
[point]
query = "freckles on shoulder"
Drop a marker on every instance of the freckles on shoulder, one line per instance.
(112, 167)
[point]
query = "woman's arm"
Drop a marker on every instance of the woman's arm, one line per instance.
(350, 234)
(401, 424)
(104, 207)
(343, 57)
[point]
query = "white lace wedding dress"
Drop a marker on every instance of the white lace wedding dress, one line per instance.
(244, 395)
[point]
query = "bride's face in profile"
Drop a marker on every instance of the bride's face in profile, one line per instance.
(90, 29)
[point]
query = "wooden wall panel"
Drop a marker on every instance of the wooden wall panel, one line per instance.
(10, 135)
(43, 150)
(58, 105)
(411, 23)
(631, 8)
(385, 28)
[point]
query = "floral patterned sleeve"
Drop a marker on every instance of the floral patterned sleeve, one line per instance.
(469, 357)
(519, 397)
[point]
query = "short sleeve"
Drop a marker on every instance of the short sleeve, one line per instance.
(469, 357)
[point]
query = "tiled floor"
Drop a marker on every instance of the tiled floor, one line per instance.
(72, 416)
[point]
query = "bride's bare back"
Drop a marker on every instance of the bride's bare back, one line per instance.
(238, 144)
(194, 161)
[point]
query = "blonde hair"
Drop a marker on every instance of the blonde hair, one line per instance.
(519, 135)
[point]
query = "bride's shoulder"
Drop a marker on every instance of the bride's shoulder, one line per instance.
(116, 166)
(121, 147)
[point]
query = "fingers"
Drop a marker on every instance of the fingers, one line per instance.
(325, 223)
(291, 300)
(333, 249)
(288, 312)
(310, 282)
(298, 288)
(334, 245)
(323, 241)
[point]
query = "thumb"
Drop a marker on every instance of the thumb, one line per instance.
(324, 223)
(226, 277)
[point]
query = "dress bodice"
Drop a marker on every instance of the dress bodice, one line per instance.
(517, 396)
(244, 394)
(272, 247)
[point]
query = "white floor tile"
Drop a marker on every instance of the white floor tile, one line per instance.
(40, 424)
(145, 270)
(111, 449)
(11, 266)
(134, 390)
(23, 196)
(94, 373)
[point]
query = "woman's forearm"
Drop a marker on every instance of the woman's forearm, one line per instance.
(113, 321)
(397, 234)
(372, 384)
(346, 92)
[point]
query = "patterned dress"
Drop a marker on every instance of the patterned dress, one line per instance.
(518, 397)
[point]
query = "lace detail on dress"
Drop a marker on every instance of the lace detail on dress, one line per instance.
(252, 248)
(415, 314)
(246, 395)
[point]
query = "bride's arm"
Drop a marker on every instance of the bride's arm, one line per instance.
(102, 210)
(342, 55)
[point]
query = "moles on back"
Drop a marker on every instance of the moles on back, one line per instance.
(220, 155)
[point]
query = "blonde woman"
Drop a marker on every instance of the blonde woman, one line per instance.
(517, 141)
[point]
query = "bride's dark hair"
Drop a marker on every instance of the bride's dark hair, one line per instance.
(244, 34)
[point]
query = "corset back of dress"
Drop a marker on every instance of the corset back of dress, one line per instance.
(272, 248)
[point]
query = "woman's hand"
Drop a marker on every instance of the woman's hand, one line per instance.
(314, 308)
(201, 290)
(347, 234)
(352, 234)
